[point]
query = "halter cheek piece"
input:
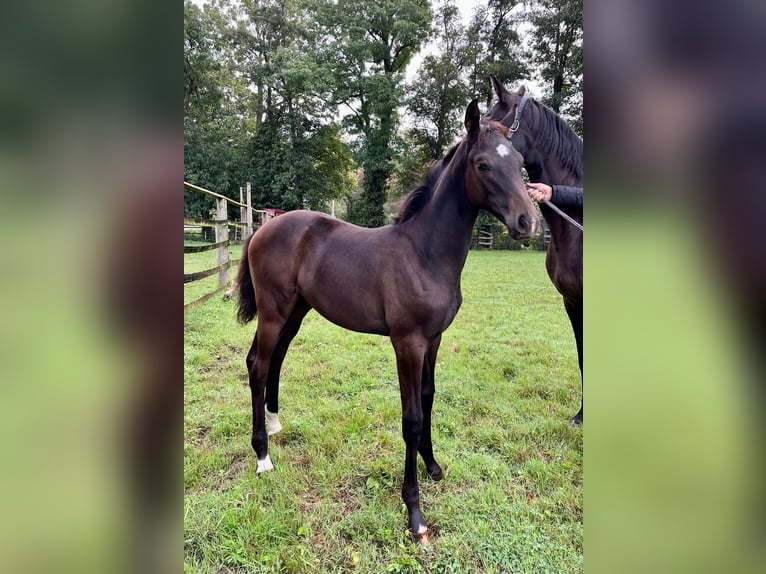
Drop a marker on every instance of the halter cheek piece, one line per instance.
(513, 128)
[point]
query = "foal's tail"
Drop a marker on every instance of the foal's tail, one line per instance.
(247, 308)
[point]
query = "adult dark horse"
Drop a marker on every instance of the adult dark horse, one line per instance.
(552, 154)
(402, 280)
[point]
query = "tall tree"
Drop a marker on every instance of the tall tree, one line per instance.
(438, 94)
(215, 106)
(412, 158)
(557, 30)
(496, 45)
(369, 45)
(293, 145)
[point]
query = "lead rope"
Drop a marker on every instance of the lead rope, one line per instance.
(562, 214)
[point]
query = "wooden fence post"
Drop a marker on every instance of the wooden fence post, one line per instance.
(222, 234)
(249, 211)
(242, 216)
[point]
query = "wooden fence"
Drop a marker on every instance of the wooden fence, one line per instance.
(222, 242)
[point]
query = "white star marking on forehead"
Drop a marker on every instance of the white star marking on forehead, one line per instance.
(502, 150)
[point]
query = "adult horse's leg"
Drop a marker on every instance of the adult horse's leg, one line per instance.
(574, 310)
(289, 331)
(427, 389)
(410, 355)
(258, 359)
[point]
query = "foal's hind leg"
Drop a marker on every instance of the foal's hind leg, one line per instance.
(258, 359)
(289, 331)
(574, 310)
(427, 390)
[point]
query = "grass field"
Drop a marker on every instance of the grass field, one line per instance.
(507, 383)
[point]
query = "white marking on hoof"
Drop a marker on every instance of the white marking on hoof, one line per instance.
(502, 150)
(423, 529)
(264, 465)
(272, 423)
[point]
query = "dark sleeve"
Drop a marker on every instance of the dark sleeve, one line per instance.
(565, 196)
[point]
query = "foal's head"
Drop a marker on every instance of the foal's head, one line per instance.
(494, 175)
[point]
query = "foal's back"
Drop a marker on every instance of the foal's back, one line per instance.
(366, 280)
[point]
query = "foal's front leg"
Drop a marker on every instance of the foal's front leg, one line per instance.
(426, 448)
(410, 354)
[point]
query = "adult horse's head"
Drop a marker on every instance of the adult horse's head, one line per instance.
(509, 110)
(551, 149)
(493, 179)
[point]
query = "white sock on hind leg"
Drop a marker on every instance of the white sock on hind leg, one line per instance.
(272, 423)
(264, 465)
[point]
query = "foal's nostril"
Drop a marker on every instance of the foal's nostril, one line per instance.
(522, 223)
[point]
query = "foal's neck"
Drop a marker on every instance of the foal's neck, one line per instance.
(445, 225)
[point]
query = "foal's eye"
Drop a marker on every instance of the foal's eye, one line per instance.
(483, 167)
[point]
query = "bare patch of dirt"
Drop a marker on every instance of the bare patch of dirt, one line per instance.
(235, 469)
(202, 433)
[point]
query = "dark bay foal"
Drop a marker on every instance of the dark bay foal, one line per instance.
(402, 281)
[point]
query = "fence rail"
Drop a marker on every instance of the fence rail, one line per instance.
(199, 189)
(222, 242)
(208, 247)
(220, 223)
(195, 222)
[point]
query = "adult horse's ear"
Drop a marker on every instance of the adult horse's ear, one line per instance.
(522, 90)
(499, 88)
(472, 118)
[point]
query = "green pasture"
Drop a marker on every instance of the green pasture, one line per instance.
(507, 383)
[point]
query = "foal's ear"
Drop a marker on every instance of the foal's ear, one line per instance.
(472, 118)
(522, 90)
(499, 88)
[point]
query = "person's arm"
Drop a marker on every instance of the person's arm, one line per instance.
(559, 195)
(563, 195)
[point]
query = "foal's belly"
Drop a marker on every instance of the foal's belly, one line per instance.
(370, 308)
(351, 317)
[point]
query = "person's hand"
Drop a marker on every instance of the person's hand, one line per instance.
(539, 191)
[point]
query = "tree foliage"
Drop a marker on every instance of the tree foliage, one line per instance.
(557, 54)
(264, 118)
(439, 92)
(304, 98)
(370, 45)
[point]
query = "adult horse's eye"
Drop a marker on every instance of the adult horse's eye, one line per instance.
(483, 167)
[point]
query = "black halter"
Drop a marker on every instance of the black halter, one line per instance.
(513, 128)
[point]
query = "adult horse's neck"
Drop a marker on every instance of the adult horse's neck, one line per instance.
(555, 156)
(444, 227)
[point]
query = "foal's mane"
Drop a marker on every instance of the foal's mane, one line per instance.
(415, 200)
(556, 138)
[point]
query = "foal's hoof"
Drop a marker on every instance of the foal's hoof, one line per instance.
(264, 465)
(421, 536)
(436, 475)
(576, 420)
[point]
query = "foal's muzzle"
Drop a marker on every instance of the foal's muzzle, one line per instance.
(525, 227)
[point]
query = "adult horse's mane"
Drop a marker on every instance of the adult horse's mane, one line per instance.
(561, 142)
(415, 200)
